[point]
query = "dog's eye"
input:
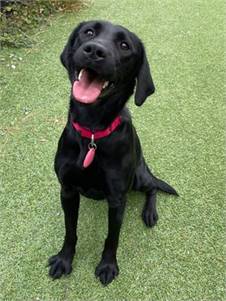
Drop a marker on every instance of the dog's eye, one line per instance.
(124, 46)
(89, 32)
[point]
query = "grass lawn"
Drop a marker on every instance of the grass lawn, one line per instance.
(181, 129)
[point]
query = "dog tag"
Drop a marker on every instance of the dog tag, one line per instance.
(89, 157)
(91, 153)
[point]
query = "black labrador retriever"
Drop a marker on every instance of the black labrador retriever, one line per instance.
(99, 154)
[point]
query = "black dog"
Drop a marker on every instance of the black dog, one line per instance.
(99, 153)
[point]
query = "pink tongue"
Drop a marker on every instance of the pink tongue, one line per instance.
(88, 88)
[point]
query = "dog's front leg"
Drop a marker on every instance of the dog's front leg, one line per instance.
(108, 269)
(62, 262)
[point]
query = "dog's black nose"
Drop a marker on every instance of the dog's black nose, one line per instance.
(95, 51)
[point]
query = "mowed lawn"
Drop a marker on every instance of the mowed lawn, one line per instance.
(181, 128)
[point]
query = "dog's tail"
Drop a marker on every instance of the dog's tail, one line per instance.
(163, 186)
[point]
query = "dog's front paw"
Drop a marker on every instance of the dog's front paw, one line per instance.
(106, 271)
(59, 266)
(149, 217)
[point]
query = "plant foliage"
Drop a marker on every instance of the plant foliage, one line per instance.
(20, 18)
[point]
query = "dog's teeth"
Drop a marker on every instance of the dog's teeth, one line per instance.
(105, 84)
(80, 74)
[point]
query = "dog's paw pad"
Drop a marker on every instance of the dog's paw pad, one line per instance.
(59, 266)
(106, 272)
(150, 217)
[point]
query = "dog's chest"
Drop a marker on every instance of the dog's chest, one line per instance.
(88, 181)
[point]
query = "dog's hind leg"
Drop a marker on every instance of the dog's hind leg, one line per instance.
(146, 182)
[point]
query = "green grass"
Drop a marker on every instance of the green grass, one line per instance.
(181, 129)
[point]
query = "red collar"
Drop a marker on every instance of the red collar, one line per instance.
(87, 133)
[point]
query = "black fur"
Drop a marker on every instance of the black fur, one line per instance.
(119, 164)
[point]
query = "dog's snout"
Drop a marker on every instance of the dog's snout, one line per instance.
(95, 51)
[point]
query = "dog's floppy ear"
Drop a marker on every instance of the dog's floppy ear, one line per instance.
(68, 49)
(145, 85)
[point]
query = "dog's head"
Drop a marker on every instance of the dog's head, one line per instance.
(102, 58)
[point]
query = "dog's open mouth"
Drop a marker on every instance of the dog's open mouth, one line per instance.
(88, 86)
